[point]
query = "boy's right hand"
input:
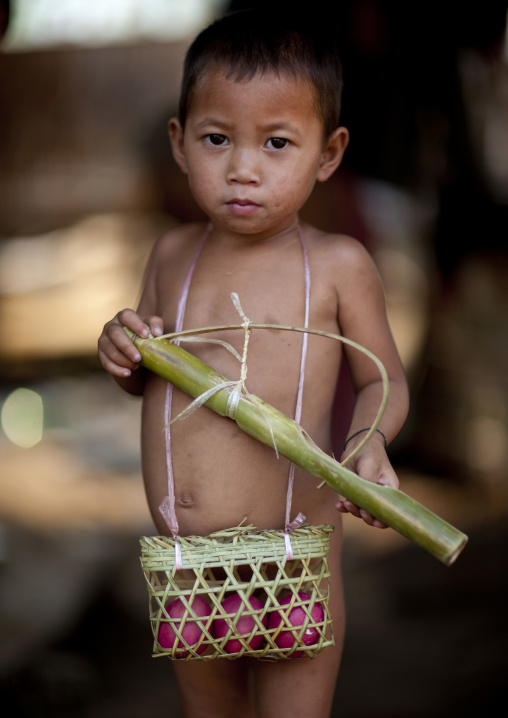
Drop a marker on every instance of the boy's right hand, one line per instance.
(117, 353)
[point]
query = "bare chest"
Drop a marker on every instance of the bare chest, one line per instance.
(271, 287)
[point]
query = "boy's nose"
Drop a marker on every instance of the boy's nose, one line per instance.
(243, 167)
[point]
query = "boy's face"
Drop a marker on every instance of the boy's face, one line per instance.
(253, 150)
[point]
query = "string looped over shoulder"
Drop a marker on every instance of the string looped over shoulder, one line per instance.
(299, 398)
(167, 507)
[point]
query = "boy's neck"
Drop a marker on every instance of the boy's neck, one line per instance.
(270, 237)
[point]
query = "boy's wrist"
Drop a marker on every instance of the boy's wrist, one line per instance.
(361, 431)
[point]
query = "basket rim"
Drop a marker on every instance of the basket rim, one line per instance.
(239, 534)
(236, 546)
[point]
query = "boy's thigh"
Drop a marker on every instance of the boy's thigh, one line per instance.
(224, 689)
(215, 689)
(298, 687)
(305, 686)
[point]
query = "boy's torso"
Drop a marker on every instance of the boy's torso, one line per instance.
(221, 474)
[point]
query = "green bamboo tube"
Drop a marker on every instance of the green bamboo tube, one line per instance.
(255, 417)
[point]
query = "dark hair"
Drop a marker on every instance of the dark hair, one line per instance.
(250, 43)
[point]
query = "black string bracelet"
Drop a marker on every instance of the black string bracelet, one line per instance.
(361, 432)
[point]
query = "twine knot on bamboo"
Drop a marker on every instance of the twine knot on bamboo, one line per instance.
(234, 397)
(238, 387)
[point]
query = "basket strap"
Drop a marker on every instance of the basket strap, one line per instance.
(300, 519)
(167, 507)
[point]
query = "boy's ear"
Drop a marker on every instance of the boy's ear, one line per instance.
(175, 132)
(332, 153)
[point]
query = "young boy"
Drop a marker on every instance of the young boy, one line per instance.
(258, 126)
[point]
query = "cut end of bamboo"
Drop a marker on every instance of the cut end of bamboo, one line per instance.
(453, 556)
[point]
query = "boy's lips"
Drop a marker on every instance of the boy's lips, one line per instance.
(242, 206)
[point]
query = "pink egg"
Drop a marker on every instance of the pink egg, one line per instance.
(244, 625)
(296, 617)
(192, 630)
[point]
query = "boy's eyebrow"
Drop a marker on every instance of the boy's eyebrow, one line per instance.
(212, 121)
(281, 125)
(275, 126)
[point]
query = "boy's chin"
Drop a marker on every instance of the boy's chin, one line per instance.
(249, 225)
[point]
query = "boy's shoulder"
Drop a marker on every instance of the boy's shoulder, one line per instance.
(181, 234)
(333, 248)
(178, 241)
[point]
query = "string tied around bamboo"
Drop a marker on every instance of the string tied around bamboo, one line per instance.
(234, 398)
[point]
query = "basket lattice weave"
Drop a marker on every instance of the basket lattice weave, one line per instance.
(246, 562)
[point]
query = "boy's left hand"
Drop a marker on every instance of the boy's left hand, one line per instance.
(372, 464)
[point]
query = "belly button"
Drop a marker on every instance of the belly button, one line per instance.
(185, 501)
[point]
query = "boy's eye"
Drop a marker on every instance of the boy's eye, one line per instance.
(216, 139)
(277, 143)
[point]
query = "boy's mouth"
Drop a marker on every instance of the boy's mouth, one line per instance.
(242, 206)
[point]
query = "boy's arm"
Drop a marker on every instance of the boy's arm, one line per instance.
(372, 462)
(362, 318)
(117, 354)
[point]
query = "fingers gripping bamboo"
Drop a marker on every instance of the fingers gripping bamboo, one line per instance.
(266, 424)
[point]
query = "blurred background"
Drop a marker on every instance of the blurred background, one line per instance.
(87, 184)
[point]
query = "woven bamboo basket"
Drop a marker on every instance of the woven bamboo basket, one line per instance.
(248, 563)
